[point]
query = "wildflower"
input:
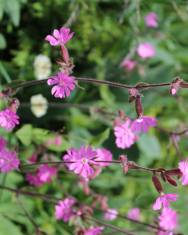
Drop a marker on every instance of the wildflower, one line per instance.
(39, 105)
(63, 85)
(8, 119)
(128, 64)
(60, 37)
(110, 214)
(82, 161)
(164, 201)
(8, 160)
(33, 179)
(3, 143)
(45, 173)
(151, 20)
(64, 209)
(146, 50)
(42, 66)
(143, 123)
(168, 219)
(93, 231)
(134, 214)
(103, 155)
(124, 135)
(183, 166)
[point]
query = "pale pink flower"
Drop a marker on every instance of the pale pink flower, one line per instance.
(3, 143)
(8, 161)
(8, 119)
(134, 214)
(103, 155)
(110, 214)
(164, 201)
(93, 231)
(82, 161)
(143, 124)
(164, 233)
(64, 209)
(146, 50)
(168, 219)
(124, 135)
(60, 37)
(62, 84)
(128, 64)
(183, 166)
(46, 173)
(151, 20)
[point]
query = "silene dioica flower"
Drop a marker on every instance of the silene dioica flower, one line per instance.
(168, 219)
(143, 123)
(134, 214)
(183, 166)
(8, 119)
(111, 214)
(93, 231)
(128, 64)
(64, 209)
(151, 20)
(146, 50)
(164, 201)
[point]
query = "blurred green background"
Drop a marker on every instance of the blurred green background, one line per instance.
(105, 32)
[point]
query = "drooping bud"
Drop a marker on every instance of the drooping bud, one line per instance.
(157, 183)
(133, 93)
(124, 163)
(138, 106)
(171, 180)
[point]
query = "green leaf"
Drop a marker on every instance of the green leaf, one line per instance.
(39, 135)
(8, 228)
(1, 8)
(99, 139)
(12, 8)
(3, 43)
(24, 134)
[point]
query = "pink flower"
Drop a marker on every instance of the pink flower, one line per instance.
(134, 214)
(82, 161)
(63, 85)
(103, 155)
(8, 119)
(146, 50)
(143, 124)
(33, 179)
(110, 214)
(168, 219)
(128, 64)
(124, 135)
(151, 20)
(60, 37)
(64, 209)
(93, 231)
(8, 161)
(183, 166)
(46, 173)
(3, 143)
(164, 201)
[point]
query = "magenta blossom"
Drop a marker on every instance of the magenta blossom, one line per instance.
(164, 201)
(8, 119)
(124, 135)
(128, 64)
(3, 143)
(151, 20)
(60, 37)
(110, 214)
(8, 161)
(33, 179)
(93, 231)
(82, 161)
(143, 124)
(64, 209)
(183, 166)
(63, 85)
(46, 173)
(134, 214)
(103, 155)
(146, 50)
(168, 219)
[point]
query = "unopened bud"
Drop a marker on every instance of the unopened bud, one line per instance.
(157, 183)
(138, 104)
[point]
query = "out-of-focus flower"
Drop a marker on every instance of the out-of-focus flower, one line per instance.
(59, 37)
(3, 143)
(103, 155)
(82, 161)
(143, 124)
(46, 173)
(33, 179)
(134, 214)
(183, 166)
(62, 84)
(8, 119)
(64, 209)
(168, 219)
(164, 201)
(8, 160)
(151, 20)
(128, 64)
(42, 67)
(93, 231)
(146, 50)
(39, 105)
(110, 214)
(124, 135)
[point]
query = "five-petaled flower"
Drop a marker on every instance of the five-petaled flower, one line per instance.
(146, 50)
(151, 20)
(62, 84)
(8, 119)
(168, 219)
(142, 124)
(64, 209)
(164, 201)
(111, 214)
(8, 160)
(183, 166)
(59, 37)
